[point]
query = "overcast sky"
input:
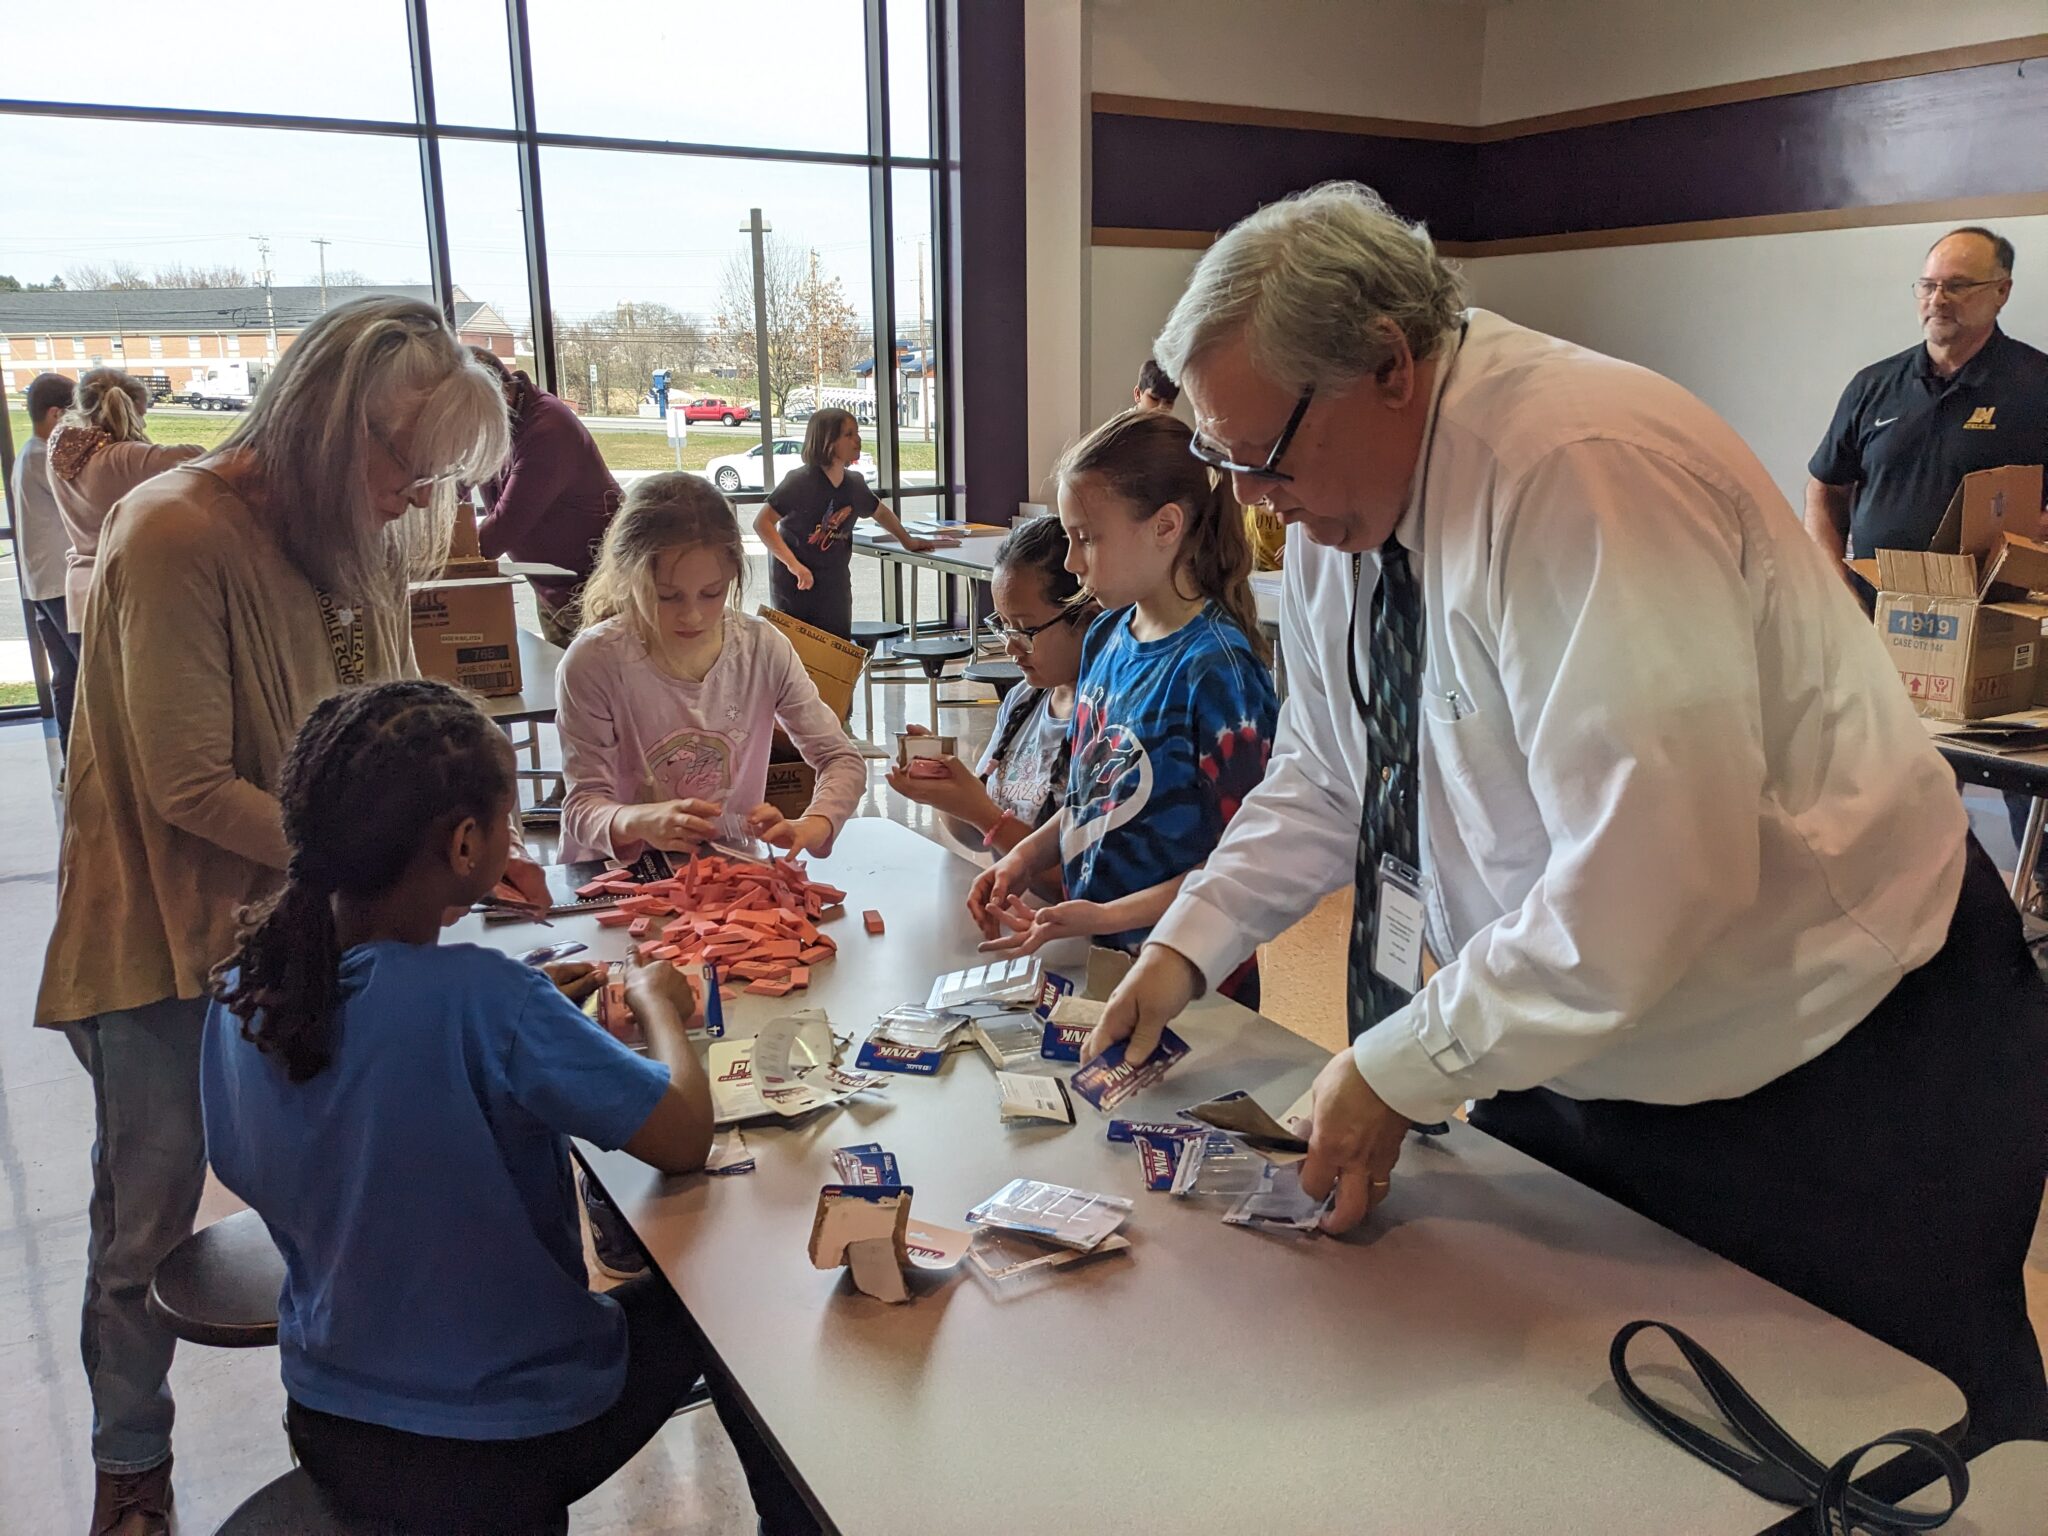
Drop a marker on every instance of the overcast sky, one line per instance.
(622, 226)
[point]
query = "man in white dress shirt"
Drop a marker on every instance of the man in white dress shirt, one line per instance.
(1701, 921)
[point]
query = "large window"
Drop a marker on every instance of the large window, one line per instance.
(573, 181)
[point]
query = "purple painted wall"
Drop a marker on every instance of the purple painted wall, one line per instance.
(1961, 133)
(986, 362)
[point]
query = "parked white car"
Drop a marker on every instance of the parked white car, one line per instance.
(742, 471)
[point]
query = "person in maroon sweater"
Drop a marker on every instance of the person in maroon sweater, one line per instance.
(553, 499)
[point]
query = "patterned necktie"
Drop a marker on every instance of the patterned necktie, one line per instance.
(1388, 820)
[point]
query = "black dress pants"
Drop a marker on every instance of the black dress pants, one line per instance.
(1893, 1181)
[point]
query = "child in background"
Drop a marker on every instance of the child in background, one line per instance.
(1042, 613)
(398, 1112)
(1175, 710)
(668, 701)
(807, 526)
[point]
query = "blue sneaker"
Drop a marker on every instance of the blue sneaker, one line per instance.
(611, 1236)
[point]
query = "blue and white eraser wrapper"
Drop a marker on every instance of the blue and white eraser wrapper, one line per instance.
(1063, 1042)
(1158, 1158)
(1050, 990)
(868, 1166)
(1108, 1080)
(1027, 1096)
(729, 1153)
(1124, 1130)
(879, 1055)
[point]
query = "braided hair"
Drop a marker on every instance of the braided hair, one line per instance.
(374, 775)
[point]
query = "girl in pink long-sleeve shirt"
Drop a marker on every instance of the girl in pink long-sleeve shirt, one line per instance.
(669, 698)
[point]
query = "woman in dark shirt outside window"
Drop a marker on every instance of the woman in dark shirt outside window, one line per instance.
(807, 526)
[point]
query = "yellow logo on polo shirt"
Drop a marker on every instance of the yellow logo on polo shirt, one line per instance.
(1980, 419)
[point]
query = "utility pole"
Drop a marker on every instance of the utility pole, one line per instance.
(269, 305)
(924, 354)
(757, 227)
(323, 244)
(810, 315)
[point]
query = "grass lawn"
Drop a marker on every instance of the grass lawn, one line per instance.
(15, 694)
(621, 450)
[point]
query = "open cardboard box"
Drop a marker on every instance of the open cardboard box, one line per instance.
(1957, 617)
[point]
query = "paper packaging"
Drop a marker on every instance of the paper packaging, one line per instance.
(1108, 1080)
(465, 632)
(465, 555)
(834, 664)
(863, 1229)
(911, 750)
(1028, 1097)
(1956, 617)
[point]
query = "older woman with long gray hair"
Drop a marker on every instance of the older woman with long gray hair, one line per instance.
(232, 595)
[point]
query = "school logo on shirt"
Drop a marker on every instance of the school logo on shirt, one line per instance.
(1980, 419)
(690, 765)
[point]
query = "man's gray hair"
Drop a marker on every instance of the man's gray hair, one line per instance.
(1318, 284)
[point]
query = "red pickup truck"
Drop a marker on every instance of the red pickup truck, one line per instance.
(724, 412)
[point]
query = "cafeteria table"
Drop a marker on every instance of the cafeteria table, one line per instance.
(1442, 1369)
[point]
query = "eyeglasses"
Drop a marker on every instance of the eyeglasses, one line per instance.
(1954, 288)
(425, 485)
(1004, 634)
(1214, 455)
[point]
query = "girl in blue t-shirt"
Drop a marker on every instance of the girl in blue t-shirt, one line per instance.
(1175, 709)
(398, 1113)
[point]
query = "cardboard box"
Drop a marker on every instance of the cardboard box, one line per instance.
(1956, 616)
(465, 555)
(464, 631)
(834, 664)
(791, 780)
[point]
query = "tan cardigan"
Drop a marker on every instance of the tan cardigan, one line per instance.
(204, 651)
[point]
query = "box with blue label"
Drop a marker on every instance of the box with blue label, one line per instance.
(1959, 617)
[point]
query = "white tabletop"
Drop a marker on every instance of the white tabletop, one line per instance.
(1444, 1370)
(2008, 1493)
(974, 555)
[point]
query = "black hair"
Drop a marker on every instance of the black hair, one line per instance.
(2001, 248)
(1040, 544)
(49, 392)
(373, 775)
(1153, 381)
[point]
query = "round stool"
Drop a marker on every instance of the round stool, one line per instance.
(293, 1505)
(867, 634)
(999, 675)
(933, 656)
(220, 1285)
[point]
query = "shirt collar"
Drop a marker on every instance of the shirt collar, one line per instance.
(1409, 529)
(1972, 373)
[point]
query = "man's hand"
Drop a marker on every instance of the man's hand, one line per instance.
(671, 825)
(1355, 1142)
(657, 985)
(919, 546)
(801, 573)
(993, 891)
(1150, 997)
(799, 836)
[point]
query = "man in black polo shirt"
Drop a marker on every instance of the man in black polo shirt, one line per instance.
(1909, 428)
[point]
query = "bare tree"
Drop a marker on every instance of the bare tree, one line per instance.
(646, 337)
(812, 330)
(343, 277)
(179, 274)
(115, 274)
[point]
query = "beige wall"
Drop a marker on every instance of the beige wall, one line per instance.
(1377, 58)
(1555, 55)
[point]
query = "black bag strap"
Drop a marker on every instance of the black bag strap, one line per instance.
(1773, 1465)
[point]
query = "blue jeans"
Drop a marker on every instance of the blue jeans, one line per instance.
(148, 1170)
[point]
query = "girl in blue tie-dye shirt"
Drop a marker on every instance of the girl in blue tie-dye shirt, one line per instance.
(1174, 713)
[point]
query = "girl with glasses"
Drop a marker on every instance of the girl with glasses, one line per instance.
(1042, 614)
